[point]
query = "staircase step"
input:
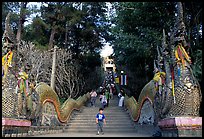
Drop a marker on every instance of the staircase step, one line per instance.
(106, 108)
(110, 118)
(107, 125)
(94, 113)
(94, 124)
(105, 111)
(97, 110)
(117, 118)
(93, 120)
(94, 127)
(106, 115)
(104, 129)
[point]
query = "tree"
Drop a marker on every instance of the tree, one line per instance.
(53, 68)
(37, 32)
(193, 20)
(138, 31)
(10, 7)
(77, 28)
(21, 20)
(53, 15)
(19, 13)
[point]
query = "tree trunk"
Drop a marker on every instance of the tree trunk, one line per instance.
(53, 69)
(52, 38)
(66, 35)
(19, 32)
(21, 21)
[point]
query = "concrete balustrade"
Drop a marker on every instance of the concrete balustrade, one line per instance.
(12, 127)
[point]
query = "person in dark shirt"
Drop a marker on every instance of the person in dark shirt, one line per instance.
(100, 119)
(107, 94)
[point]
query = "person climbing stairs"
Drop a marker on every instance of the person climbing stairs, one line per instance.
(117, 119)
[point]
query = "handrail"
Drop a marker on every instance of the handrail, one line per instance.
(47, 94)
(135, 106)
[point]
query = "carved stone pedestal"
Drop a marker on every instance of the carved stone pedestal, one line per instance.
(181, 127)
(14, 127)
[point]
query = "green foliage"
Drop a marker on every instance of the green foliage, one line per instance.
(197, 66)
(91, 60)
(193, 20)
(13, 7)
(81, 26)
(137, 32)
(78, 30)
(37, 32)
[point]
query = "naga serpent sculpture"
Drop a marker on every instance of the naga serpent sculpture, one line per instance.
(134, 106)
(47, 94)
(33, 99)
(180, 94)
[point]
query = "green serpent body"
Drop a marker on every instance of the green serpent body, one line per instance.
(47, 94)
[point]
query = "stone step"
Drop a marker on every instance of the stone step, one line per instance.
(106, 108)
(110, 118)
(107, 116)
(94, 122)
(97, 110)
(118, 120)
(108, 123)
(104, 129)
(123, 120)
(109, 106)
(106, 111)
(107, 120)
(77, 126)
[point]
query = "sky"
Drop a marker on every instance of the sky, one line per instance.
(29, 20)
(106, 50)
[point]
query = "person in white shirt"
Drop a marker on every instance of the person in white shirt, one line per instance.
(111, 92)
(103, 100)
(93, 97)
(121, 98)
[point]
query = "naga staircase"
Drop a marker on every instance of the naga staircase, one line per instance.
(118, 120)
(174, 107)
